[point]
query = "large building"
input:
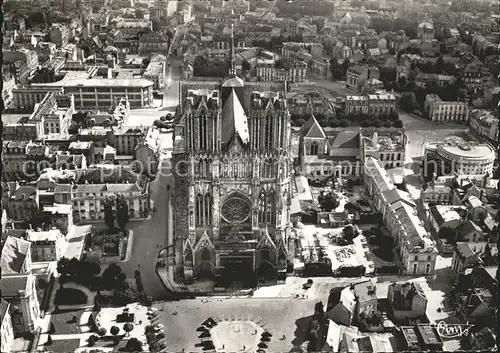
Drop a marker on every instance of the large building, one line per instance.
(416, 251)
(104, 93)
(483, 123)
(341, 154)
(439, 110)
(232, 189)
(456, 155)
(374, 105)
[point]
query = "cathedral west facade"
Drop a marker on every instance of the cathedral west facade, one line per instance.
(232, 182)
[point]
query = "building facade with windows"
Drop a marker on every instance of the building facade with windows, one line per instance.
(232, 196)
(483, 123)
(88, 200)
(7, 331)
(456, 155)
(416, 251)
(439, 110)
(374, 105)
(104, 93)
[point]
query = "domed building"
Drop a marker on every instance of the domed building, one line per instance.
(232, 168)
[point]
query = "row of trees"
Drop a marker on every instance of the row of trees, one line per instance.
(122, 212)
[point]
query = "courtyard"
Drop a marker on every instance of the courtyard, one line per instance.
(340, 255)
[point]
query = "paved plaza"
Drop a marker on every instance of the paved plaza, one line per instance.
(233, 336)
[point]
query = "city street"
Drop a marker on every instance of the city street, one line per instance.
(150, 236)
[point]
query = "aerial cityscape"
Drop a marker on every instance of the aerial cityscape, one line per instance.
(250, 176)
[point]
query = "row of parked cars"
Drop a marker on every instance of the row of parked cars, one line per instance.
(159, 328)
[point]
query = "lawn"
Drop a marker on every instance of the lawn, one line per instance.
(63, 321)
(64, 346)
(70, 296)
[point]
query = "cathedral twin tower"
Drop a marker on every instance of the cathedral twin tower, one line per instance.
(232, 182)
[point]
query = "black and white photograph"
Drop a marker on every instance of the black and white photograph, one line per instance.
(250, 176)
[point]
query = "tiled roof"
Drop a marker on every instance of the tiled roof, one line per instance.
(345, 139)
(312, 129)
(14, 255)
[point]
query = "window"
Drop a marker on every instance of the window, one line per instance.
(427, 268)
(313, 149)
(414, 268)
(429, 258)
(416, 258)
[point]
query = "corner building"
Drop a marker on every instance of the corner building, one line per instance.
(232, 193)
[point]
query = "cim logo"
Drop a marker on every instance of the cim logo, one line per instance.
(452, 331)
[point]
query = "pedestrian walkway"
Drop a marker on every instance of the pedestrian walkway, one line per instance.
(130, 243)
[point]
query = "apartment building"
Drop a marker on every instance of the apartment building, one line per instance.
(88, 200)
(484, 124)
(14, 158)
(153, 43)
(374, 105)
(155, 72)
(439, 110)
(268, 72)
(358, 75)
(416, 251)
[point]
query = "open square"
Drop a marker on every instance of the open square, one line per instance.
(232, 336)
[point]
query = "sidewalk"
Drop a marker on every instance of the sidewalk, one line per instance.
(130, 242)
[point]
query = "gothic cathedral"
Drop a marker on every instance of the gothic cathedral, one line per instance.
(232, 182)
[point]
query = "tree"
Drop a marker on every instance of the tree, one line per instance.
(62, 265)
(134, 345)
(344, 123)
(114, 330)
(393, 115)
(139, 13)
(376, 123)
(408, 102)
(102, 332)
(397, 123)
(122, 213)
(111, 275)
(92, 340)
(349, 233)
(109, 217)
(439, 65)
(145, 62)
(245, 65)
(128, 327)
(335, 69)
(345, 66)
(328, 201)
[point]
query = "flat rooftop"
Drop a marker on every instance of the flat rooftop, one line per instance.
(98, 82)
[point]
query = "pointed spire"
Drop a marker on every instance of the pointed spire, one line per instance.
(232, 69)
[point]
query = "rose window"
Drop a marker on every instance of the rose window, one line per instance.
(235, 210)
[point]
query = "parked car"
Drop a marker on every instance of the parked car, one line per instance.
(152, 311)
(159, 326)
(160, 335)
